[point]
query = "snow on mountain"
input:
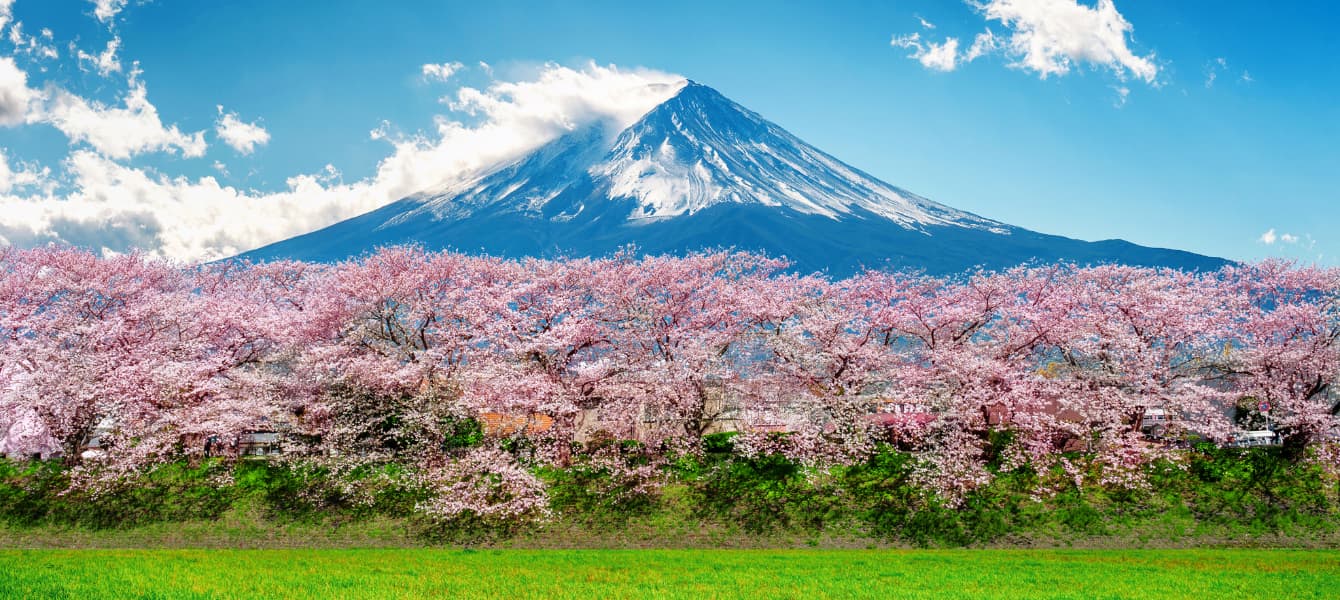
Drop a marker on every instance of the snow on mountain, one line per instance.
(699, 149)
(700, 171)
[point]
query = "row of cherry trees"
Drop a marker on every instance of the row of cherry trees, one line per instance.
(381, 359)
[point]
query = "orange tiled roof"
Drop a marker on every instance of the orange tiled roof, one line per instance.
(501, 424)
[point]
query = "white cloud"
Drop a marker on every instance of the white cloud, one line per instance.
(106, 62)
(242, 136)
(16, 97)
(1047, 37)
(26, 176)
(6, 12)
(440, 72)
(516, 117)
(939, 57)
(1220, 66)
(1123, 94)
(1270, 237)
(36, 46)
(924, 23)
(106, 10)
(1212, 70)
(985, 43)
(115, 131)
(118, 208)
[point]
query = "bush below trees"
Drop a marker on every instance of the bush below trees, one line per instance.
(1217, 496)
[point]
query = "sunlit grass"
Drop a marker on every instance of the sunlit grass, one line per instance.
(411, 573)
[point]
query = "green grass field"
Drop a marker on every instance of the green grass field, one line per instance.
(1086, 574)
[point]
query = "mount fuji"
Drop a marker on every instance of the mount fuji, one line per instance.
(697, 172)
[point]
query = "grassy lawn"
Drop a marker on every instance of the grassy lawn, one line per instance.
(417, 573)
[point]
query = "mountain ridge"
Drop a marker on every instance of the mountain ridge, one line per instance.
(699, 171)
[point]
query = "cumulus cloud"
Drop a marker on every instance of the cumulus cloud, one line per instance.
(1270, 237)
(106, 62)
(240, 135)
(938, 57)
(6, 12)
(117, 207)
(106, 10)
(118, 132)
(1047, 37)
(22, 176)
(941, 57)
(16, 97)
(515, 117)
(442, 71)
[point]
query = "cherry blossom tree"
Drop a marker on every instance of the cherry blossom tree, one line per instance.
(1285, 351)
(375, 361)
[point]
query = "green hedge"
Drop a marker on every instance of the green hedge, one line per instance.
(1217, 492)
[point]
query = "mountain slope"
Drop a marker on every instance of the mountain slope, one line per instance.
(700, 171)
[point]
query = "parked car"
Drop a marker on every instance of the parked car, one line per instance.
(1250, 439)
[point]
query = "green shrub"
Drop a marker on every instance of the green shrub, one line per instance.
(612, 484)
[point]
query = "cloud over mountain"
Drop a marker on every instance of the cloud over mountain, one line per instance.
(108, 204)
(1045, 37)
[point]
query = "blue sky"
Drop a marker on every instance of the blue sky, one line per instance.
(1207, 126)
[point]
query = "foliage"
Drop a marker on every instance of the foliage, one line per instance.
(392, 381)
(484, 490)
(1257, 492)
(611, 482)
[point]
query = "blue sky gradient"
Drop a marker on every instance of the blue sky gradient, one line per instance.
(1235, 136)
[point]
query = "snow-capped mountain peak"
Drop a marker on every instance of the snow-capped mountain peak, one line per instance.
(696, 150)
(700, 171)
(699, 149)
